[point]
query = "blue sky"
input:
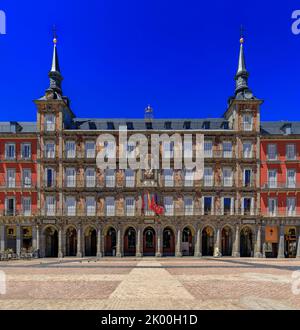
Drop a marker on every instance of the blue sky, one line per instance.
(180, 56)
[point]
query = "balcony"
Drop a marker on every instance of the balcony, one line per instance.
(281, 213)
(17, 184)
(280, 185)
(17, 213)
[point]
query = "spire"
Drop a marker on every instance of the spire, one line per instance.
(54, 74)
(242, 90)
(148, 113)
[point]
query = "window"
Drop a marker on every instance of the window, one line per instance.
(227, 149)
(49, 149)
(168, 149)
(90, 204)
(49, 123)
(49, 177)
(129, 206)
(247, 149)
(207, 205)
(208, 176)
(168, 125)
(206, 125)
(90, 149)
(227, 177)
(26, 206)
(129, 178)
(227, 206)
(26, 176)
(291, 178)
(10, 206)
(70, 149)
(291, 206)
(247, 205)
(110, 125)
(148, 125)
(272, 151)
(110, 149)
(26, 151)
(272, 205)
(247, 122)
(11, 178)
(188, 149)
(208, 146)
(90, 177)
(110, 180)
(110, 206)
(290, 151)
(70, 177)
(169, 178)
(188, 205)
(50, 205)
(70, 206)
(287, 129)
(131, 150)
(188, 178)
(10, 151)
(129, 125)
(272, 178)
(247, 178)
(147, 200)
(169, 205)
(187, 125)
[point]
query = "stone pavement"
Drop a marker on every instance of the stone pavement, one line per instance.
(149, 283)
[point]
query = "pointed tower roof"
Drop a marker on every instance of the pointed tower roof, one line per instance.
(54, 91)
(55, 63)
(242, 90)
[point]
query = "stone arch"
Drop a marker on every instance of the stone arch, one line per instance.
(90, 241)
(149, 241)
(247, 236)
(168, 241)
(188, 235)
(110, 241)
(208, 239)
(130, 237)
(71, 241)
(50, 240)
(227, 234)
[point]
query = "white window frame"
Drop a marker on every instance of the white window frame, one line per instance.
(90, 205)
(70, 179)
(272, 179)
(274, 202)
(208, 180)
(11, 178)
(70, 149)
(247, 152)
(50, 208)
(90, 177)
(272, 154)
(168, 177)
(188, 207)
(23, 146)
(70, 205)
(129, 206)
(169, 205)
(227, 180)
(49, 122)
(247, 122)
(208, 149)
(291, 155)
(26, 179)
(90, 149)
(227, 149)
(110, 206)
(49, 149)
(26, 206)
(10, 151)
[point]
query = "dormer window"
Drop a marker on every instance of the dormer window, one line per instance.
(168, 125)
(110, 125)
(287, 129)
(225, 125)
(129, 125)
(148, 125)
(206, 125)
(187, 125)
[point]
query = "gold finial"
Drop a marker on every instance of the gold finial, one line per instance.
(242, 35)
(54, 35)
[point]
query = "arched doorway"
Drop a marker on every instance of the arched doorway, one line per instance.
(129, 242)
(90, 242)
(71, 242)
(110, 242)
(290, 242)
(207, 241)
(226, 241)
(168, 242)
(51, 242)
(149, 242)
(187, 244)
(246, 242)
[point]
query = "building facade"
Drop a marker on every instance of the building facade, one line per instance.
(77, 209)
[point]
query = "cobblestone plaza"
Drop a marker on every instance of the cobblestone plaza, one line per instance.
(151, 283)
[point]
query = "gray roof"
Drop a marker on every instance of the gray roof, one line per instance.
(278, 127)
(17, 127)
(156, 124)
